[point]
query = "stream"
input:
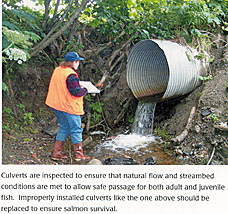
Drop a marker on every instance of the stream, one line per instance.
(139, 146)
(130, 149)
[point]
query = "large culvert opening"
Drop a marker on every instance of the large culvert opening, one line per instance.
(158, 70)
(147, 71)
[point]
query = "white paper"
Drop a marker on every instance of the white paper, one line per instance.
(89, 86)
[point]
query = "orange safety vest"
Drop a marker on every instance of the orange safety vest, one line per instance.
(59, 97)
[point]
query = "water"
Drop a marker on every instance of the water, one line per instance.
(134, 146)
(140, 144)
(144, 119)
(130, 142)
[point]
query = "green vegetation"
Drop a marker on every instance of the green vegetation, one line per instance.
(95, 109)
(161, 132)
(215, 117)
(103, 30)
(209, 77)
(19, 121)
(197, 21)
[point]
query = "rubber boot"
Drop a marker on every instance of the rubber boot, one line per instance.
(79, 152)
(57, 154)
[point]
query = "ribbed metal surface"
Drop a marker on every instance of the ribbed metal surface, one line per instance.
(147, 69)
(164, 68)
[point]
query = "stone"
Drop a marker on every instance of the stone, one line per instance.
(120, 161)
(206, 112)
(51, 129)
(94, 162)
(197, 129)
(150, 161)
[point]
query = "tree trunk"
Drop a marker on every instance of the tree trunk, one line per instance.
(55, 13)
(46, 4)
(49, 38)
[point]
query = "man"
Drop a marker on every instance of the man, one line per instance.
(65, 98)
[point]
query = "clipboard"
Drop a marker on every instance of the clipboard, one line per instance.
(92, 89)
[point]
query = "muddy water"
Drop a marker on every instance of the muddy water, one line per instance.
(137, 147)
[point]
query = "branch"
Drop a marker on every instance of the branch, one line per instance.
(104, 71)
(55, 13)
(105, 75)
(116, 52)
(108, 44)
(46, 4)
(212, 155)
(57, 26)
(87, 141)
(102, 80)
(184, 134)
(88, 120)
(222, 127)
(46, 41)
(119, 71)
(116, 62)
(103, 115)
(98, 124)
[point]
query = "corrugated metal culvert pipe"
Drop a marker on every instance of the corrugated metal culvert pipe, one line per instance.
(159, 70)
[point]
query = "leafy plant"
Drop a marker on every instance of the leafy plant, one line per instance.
(160, 19)
(95, 108)
(209, 77)
(21, 121)
(96, 112)
(160, 132)
(5, 87)
(28, 118)
(19, 33)
(131, 120)
(21, 106)
(8, 112)
(214, 117)
(9, 115)
(88, 98)
(15, 38)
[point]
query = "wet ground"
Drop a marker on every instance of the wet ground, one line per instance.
(132, 149)
(121, 149)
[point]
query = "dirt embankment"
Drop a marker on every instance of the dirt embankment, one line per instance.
(206, 139)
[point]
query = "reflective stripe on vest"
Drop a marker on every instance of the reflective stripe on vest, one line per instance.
(59, 97)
